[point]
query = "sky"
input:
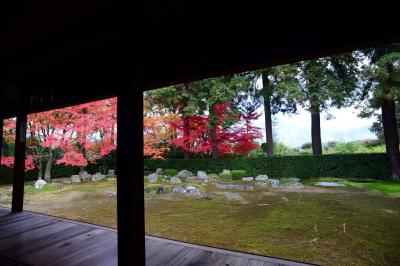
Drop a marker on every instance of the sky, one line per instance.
(295, 130)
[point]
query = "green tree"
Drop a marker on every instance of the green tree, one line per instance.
(327, 82)
(380, 89)
(280, 93)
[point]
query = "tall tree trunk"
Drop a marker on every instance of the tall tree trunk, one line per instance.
(214, 145)
(316, 133)
(186, 133)
(47, 173)
(40, 166)
(269, 147)
(391, 136)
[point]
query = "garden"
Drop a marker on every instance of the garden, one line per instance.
(212, 177)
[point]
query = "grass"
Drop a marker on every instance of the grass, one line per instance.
(328, 226)
(389, 187)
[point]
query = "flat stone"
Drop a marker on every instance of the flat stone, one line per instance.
(249, 178)
(330, 184)
(231, 186)
(261, 178)
(75, 179)
(97, 177)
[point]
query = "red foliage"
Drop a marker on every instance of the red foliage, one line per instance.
(194, 135)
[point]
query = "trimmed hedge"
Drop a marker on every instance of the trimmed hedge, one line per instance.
(238, 174)
(374, 165)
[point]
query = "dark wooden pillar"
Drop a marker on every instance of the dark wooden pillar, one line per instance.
(1, 136)
(130, 180)
(19, 164)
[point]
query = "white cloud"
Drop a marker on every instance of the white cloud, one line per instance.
(294, 130)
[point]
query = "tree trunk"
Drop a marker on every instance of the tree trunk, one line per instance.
(214, 146)
(391, 136)
(316, 133)
(47, 173)
(269, 147)
(186, 133)
(40, 173)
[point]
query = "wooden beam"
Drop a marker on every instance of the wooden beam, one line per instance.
(130, 180)
(19, 164)
(1, 136)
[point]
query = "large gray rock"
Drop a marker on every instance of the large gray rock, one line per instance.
(75, 179)
(152, 178)
(262, 178)
(175, 180)
(97, 177)
(248, 178)
(159, 171)
(189, 190)
(39, 184)
(184, 174)
(202, 175)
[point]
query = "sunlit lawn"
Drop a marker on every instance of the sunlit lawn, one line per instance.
(356, 225)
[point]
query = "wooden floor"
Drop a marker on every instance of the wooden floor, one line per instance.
(34, 239)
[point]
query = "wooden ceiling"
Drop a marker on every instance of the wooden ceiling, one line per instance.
(57, 53)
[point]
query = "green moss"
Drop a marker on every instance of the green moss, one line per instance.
(238, 174)
(170, 172)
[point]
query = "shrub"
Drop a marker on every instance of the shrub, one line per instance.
(238, 174)
(226, 176)
(360, 165)
(170, 172)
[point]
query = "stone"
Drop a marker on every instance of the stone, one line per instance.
(159, 171)
(152, 178)
(261, 184)
(75, 179)
(111, 194)
(207, 197)
(226, 171)
(191, 178)
(248, 178)
(231, 186)
(233, 196)
(39, 184)
(202, 175)
(84, 176)
(175, 180)
(273, 182)
(111, 172)
(262, 178)
(189, 190)
(97, 177)
(330, 184)
(184, 174)
(160, 190)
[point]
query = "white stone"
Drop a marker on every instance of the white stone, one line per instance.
(75, 179)
(262, 178)
(248, 178)
(330, 184)
(274, 182)
(40, 183)
(226, 171)
(152, 178)
(201, 175)
(84, 176)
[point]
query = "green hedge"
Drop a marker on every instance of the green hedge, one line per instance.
(374, 165)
